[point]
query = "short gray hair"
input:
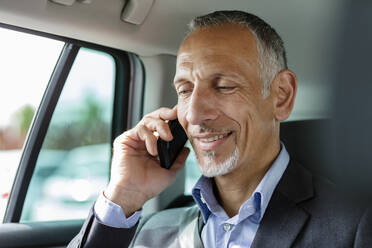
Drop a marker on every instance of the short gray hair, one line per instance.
(272, 56)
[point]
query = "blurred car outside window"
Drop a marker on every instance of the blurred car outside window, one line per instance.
(73, 164)
(26, 64)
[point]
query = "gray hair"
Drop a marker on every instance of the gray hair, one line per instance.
(272, 56)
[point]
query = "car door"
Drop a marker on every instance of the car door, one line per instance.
(93, 94)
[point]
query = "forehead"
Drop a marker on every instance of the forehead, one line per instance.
(227, 45)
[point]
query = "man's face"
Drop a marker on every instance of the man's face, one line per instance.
(220, 101)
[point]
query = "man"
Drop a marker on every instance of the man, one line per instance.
(233, 90)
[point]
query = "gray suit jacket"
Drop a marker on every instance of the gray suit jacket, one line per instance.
(304, 211)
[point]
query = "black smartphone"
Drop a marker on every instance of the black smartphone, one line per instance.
(169, 150)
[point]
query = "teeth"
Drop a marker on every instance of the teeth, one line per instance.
(214, 138)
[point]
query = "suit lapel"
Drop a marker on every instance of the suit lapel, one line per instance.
(284, 219)
(280, 225)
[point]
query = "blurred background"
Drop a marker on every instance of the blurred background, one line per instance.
(350, 135)
(329, 48)
(72, 166)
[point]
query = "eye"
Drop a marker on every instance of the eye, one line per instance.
(184, 91)
(226, 89)
(223, 85)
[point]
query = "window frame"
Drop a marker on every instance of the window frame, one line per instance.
(127, 109)
(37, 133)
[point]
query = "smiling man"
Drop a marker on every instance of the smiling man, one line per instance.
(230, 115)
(234, 89)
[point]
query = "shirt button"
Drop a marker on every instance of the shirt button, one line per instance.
(226, 227)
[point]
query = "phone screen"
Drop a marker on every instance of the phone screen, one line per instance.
(169, 150)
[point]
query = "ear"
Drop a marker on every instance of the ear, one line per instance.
(284, 88)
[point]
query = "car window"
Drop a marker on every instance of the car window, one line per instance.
(26, 64)
(73, 164)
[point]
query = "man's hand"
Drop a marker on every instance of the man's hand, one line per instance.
(136, 175)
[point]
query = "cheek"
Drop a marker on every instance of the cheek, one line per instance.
(235, 108)
(182, 107)
(241, 109)
(235, 113)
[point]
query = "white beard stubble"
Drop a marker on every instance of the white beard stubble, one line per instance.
(212, 169)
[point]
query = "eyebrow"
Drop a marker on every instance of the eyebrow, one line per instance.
(228, 75)
(179, 80)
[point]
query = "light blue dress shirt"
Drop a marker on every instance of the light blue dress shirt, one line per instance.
(219, 230)
(239, 230)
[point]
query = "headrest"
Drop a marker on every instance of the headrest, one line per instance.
(304, 140)
(319, 145)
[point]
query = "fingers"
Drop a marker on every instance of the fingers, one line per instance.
(149, 138)
(158, 125)
(165, 113)
(142, 135)
(127, 139)
(156, 121)
(134, 165)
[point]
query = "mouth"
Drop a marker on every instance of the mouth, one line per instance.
(211, 141)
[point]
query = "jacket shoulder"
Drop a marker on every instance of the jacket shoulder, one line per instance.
(174, 217)
(335, 219)
(319, 195)
(331, 200)
(165, 228)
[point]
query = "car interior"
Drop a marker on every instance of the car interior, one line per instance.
(328, 47)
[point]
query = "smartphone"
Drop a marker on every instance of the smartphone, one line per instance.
(169, 150)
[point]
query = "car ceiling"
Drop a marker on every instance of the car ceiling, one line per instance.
(309, 28)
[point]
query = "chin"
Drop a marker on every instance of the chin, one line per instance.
(209, 167)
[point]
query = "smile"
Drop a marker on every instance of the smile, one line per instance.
(211, 141)
(214, 138)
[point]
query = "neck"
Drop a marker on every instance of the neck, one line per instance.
(236, 187)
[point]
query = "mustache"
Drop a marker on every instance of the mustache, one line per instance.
(200, 129)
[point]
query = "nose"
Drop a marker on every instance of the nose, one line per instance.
(202, 107)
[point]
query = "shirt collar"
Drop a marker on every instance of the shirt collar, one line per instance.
(255, 206)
